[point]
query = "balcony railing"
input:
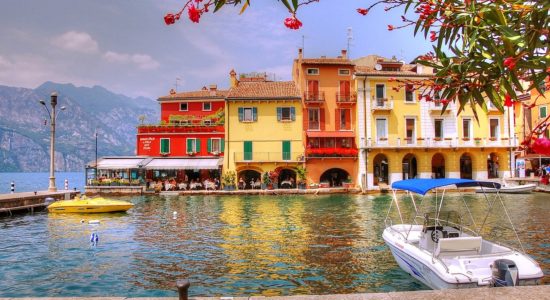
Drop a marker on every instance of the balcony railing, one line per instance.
(331, 152)
(180, 128)
(382, 104)
(440, 142)
(346, 97)
(314, 97)
(249, 157)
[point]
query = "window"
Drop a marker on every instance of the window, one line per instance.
(215, 145)
(343, 72)
(312, 71)
(247, 149)
(542, 112)
(344, 94)
(312, 93)
(164, 146)
(409, 93)
(248, 114)
(345, 119)
(380, 89)
(466, 128)
(329, 143)
(206, 106)
(286, 114)
(313, 119)
(410, 130)
(193, 146)
(381, 129)
(438, 126)
(494, 128)
(286, 150)
(183, 106)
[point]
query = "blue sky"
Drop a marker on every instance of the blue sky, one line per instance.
(125, 46)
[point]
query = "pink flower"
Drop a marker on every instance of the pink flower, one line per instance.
(541, 146)
(390, 27)
(293, 23)
(169, 19)
(363, 11)
(510, 63)
(433, 36)
(194, 14)
(508, 101)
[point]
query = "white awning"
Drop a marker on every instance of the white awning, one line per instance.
(184, 164)
(119, 163)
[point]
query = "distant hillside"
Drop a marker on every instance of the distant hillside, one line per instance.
(24, 139)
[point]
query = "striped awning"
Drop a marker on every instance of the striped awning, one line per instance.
(120, 163)
(184, 164)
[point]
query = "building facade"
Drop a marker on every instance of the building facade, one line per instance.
(263, 130)
(329, 118)
(403, 137)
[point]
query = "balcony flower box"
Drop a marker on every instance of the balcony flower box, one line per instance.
(382, 139)
(437, 139)
(504, 139)
(448, 139)
(419, 139)
(191, 153)
(465, 139)
(492, 139)
(164, 154)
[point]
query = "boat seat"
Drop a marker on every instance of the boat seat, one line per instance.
(470, 245)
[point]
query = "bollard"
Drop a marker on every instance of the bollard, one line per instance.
(66, 184)
(12, 187)
(183, 287)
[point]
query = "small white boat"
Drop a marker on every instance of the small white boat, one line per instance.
(439, 249)
(509, 189)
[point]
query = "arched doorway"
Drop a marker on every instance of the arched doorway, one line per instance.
(287, 179)
(492, 165)
(438, 166)
(251, 179)
(409, 166)
(381, 169)
(466, 166)
(335, 177)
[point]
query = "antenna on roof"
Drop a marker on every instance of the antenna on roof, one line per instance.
(350, 38)
(177, 80)
(303, 43)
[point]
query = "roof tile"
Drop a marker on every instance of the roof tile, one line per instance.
(264, 90)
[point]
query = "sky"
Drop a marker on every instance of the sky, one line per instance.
(126, 47)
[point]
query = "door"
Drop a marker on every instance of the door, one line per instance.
(247, 150)
(286, 150)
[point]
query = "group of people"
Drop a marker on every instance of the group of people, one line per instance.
(186, 185)
(252, 184)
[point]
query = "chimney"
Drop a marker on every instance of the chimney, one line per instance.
(300, 54)
(233, 82)
(213, 87)
(345, 54)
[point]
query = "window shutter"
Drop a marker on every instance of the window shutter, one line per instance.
(189, 145)
(293, 113)
(254, 114)
(241, 114)
(305, 118)
(198, 145)
(222, 145)
(322, 118)
(338, 119)
(209, 145)
(348, 119)
(279, 113)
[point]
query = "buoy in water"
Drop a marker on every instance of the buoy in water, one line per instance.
(93, 222)
(175, 215)
(94, 238)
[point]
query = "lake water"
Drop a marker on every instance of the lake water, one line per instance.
(226, 246)
(30, 182)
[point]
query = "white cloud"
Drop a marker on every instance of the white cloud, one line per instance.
(76, 41)
(142, 61)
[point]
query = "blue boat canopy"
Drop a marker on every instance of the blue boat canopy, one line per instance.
(422, 186)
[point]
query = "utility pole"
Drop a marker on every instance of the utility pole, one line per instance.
(53, 117)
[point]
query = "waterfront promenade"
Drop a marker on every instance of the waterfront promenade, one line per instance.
(32, 200)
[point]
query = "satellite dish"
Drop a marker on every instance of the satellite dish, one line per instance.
(378, 67)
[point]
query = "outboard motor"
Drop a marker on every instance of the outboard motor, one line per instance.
(505, 273)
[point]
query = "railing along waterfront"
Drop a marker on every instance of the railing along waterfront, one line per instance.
(440, 142)
(248, 157)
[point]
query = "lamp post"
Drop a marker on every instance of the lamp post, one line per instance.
(96, 154)
(53, 117)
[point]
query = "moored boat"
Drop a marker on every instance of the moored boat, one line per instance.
(439, 249)
(89, 205)
(509, 189)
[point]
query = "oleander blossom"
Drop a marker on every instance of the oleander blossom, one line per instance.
(293, 23)
(541, 146)
(194, 14)
(508, 101)
(170, 19)
(363, 11)
(510, 63)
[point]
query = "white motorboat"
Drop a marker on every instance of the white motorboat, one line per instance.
(438, 248)
(509, 189)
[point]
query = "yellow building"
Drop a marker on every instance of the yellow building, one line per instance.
(263, 129)
(402, 137)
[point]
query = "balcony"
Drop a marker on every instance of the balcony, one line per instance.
(261, 157)
(440, 142)
(314, 97)
(437, 106)
(346, 97)
(331, 153)
(187, 128)
(382, 104)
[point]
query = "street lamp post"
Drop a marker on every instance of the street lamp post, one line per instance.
(53, 117)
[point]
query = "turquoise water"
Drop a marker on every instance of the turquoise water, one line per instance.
(30, 182)
(226, 246)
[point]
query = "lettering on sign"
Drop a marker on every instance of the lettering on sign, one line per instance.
(146, 142)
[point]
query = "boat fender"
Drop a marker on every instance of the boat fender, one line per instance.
(82, 221)
(93, 222)
(175, 215)
(505, 273)
(94, 238)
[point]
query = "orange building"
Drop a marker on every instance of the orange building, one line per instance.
(328, 102)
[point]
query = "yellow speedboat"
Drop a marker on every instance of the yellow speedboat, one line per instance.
(89, 205)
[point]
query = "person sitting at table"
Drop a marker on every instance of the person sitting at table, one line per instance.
(241, 184)
(217, 183)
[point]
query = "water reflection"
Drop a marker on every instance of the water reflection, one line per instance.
(251, 245)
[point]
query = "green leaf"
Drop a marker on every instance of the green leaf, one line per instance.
(285, 2)
(219, 4)
(295, 4)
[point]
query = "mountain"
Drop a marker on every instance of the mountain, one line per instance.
(25, 127)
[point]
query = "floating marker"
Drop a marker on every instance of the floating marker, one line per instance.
(94, 238)
(93, 222)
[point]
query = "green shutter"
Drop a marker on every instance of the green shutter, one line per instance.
(247, 150)
(254, 114)
(286, 150)
(279, 113)
(209, 145)
(222, 145)
(164, 146)
(189, 145)
(197, 145)
(542, 112)
(241, 114)
(293, 113)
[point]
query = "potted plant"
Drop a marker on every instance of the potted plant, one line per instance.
(228, 180)
(301, 173)
(477, 140)
(266, 181)
(274, 178)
